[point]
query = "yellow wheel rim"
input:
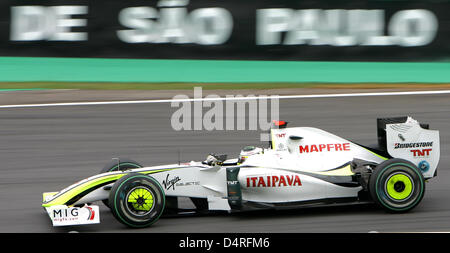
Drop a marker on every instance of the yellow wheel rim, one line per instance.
(399, 186)
(141, 199)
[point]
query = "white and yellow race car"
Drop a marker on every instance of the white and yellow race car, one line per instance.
(303, 166)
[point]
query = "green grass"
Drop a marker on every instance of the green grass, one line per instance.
(149, 86)
(205, 86)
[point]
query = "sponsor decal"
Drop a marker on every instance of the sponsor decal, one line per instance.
(280, 135)
(170, 183)
(413, 145)
(65, 213)
(281, 146)
(188, 183)
(74, 215)
(233, 182)
(70, 214)
(274, 181)
(324, 147)
(421, 152)
(91, 215)
(424, 166)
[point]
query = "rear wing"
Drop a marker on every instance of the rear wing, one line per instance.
(406, 138)
(381, 128)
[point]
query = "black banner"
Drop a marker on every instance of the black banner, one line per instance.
(327, 30)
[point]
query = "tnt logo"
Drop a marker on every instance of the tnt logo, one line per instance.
(421, 153)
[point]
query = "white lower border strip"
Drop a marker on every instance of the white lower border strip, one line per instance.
(369, 94)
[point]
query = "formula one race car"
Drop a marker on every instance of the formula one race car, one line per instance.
(303, 166)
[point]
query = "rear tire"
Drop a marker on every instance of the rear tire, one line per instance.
(123, 165)
(397, 185)
(137, 200)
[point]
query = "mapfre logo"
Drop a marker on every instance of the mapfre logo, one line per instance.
(274, 181)
(324, 147)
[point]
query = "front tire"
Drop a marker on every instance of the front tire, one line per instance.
(137, 200)
(397, 185)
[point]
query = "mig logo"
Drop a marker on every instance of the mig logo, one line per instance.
(66, 214)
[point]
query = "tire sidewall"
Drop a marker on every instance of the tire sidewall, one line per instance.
(378, 185)
(118, 200)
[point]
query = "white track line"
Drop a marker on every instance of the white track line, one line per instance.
(232, 97)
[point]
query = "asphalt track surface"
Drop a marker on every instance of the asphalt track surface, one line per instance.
(48, 148)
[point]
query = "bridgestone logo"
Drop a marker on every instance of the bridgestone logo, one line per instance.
(413, 145)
